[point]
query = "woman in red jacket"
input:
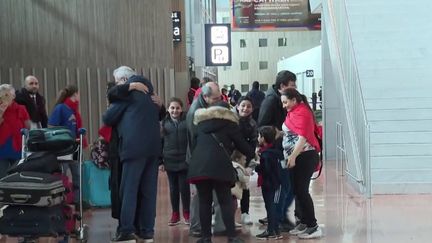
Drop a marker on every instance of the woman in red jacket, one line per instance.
(13, 118)
(301, 150)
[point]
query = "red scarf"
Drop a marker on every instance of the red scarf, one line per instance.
(74, 105)
(197, 93)
(14, 119)
(300, 121)
(260, 180)
(105, 132)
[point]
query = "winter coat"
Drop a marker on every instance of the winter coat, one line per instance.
(36, 111)
(270, 168)
(174, 143)
(191, 127)
(209, 159)
(249, 130)
(271, 112)
(137, 123)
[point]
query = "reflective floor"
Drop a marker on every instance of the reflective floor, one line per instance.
(344, 215)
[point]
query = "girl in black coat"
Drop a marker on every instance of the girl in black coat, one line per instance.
(174, 132)
(248, 128)
(217, 135)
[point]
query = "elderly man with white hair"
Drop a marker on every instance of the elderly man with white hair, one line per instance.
(34, 102)
(136, 118)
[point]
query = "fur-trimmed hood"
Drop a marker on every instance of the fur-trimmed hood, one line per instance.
(215, 112)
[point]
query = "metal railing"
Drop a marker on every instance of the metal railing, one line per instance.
(358, 130)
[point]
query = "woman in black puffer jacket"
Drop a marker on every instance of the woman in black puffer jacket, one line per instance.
(210, 168)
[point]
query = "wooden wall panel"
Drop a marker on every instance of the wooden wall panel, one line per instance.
(85, 33)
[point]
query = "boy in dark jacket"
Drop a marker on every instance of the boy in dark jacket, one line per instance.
(269, 179)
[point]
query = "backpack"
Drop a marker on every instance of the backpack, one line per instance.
(99, 153)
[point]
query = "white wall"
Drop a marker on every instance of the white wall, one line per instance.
(298, 64)
(297, 42)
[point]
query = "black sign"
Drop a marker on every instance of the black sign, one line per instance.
(218, 44)
(309, 73)
(176, 21)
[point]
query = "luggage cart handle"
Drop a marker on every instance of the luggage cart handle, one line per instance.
(20, 198)
(24, 135)
(82, 131)
(24, 132)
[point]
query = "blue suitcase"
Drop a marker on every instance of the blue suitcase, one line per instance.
(95, 185)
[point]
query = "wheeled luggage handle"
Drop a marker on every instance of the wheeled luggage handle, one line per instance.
(20, 198)
(24, 131)
(24, 134)
(82, 131)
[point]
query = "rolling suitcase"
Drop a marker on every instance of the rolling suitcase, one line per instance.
(31, 188)
(33, 221)
(44, 162)
(96, 185)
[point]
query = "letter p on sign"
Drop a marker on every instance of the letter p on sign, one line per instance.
(219, 54)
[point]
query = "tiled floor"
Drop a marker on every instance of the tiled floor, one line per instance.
(344, 216)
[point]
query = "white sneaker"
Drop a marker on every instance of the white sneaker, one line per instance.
(245, 219)
(299, 229)
(311, 233)
(238, 225)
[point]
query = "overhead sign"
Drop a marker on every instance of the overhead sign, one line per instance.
(176, 22)
(309, 73)
(218, 44)
(271, 14)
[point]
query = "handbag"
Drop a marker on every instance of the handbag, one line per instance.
(221, 145)
(226, 153)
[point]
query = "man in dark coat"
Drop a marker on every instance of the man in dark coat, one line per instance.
(234, 95)
(137, 123)
(119, 92)
(34, 102)
(209, 95)
(257, 97)
(271, 112)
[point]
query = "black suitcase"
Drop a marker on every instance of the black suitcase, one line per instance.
(31, 188)
(56, 139)
(44, 162)
(33, 221)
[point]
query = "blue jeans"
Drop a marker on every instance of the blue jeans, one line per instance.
(139, 181)
(286, 197)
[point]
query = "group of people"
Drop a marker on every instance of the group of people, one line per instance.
(208, 152)
(25, 108)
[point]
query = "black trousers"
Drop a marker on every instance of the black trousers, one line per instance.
(179, 187)
(271, 200)
(306, 163)
(244, 202)
(205, 195)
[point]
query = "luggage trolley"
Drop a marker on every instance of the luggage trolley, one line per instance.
(23, 205)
